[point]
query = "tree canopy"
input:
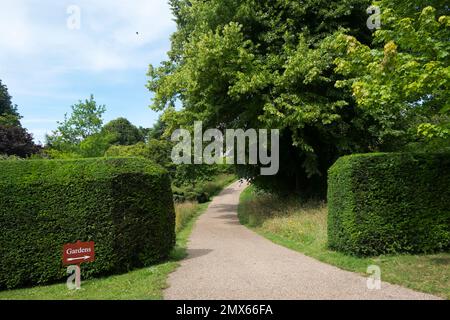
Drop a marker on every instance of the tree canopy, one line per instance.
(283, 64)
(14, 140)
(8, 111)
(84, 122)
(124, 132)
(403, 80)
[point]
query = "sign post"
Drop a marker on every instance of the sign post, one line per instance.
(75, 254)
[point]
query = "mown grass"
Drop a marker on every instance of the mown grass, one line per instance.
(142, 284)
(302, 226)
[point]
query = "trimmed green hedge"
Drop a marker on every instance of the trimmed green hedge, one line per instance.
(123, 204)
(389, 203)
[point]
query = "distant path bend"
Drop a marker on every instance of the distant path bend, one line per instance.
(228, 261)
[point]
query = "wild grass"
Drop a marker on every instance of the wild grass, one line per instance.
(302, 226)
(184, 213)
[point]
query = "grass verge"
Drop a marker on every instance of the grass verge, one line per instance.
(303, 227)
(142, 284)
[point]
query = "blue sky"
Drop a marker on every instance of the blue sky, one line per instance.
(48, 66)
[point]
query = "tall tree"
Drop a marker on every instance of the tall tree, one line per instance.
(8, 111)
(14, 140)
(157, 131)
(84, 121)
(281, 64)
(124, 132)
(403, 79)
(260, 64)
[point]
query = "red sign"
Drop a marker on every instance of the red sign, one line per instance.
(78, 252)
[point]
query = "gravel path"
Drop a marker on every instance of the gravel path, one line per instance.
(228, 261)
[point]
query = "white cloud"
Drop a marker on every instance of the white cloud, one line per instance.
(44, 63)
(35, 36)
(39, 135)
